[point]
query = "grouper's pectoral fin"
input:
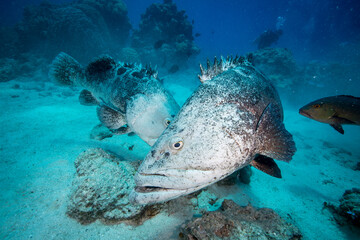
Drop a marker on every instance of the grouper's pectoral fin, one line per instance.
(274, 140)
(122, 130)
(267, 165)
(337, 127)
(110, 118)
(86, 98)
(336, 121)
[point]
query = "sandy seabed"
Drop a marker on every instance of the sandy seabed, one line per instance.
(44, 129)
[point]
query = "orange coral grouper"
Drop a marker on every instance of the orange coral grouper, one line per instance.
(337, 110)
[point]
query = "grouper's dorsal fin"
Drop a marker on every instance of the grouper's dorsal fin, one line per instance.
(274, 140)
(221, 66)
(138, 70)
(100, 69)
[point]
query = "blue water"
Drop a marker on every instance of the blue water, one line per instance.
(44, 128)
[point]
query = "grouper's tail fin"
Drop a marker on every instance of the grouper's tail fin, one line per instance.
(65, 70)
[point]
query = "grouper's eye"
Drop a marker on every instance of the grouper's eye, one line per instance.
(167, 122)
(177, 143)
(316, 106)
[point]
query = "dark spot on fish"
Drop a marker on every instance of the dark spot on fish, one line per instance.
(180, 130)
(100, 69)
(131, 147)
(158, 44)
(121, 71)
(152, 153)
(138, 74)
(174, 68)
(167, 154)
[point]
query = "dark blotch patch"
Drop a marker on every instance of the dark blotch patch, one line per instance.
(167, 154)
(138, 74)
(100, 69)
(152, 153)
(121, 71)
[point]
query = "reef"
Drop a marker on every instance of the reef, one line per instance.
(278, 65)
(84, 29)
(267, 38)
(24, 65)
(348, 211)
(165, 36)
(101, 188)
(232, 221)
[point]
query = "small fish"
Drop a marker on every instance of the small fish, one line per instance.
(336, 110)
(129, 98)
(234, 119)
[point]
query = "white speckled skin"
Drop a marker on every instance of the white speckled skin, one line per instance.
(218, 128)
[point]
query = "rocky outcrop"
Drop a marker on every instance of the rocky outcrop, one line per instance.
(165, 36)
(101, 188)
(83, 29)
(348, 211)
(278, 65)
(234, 222)
(24, 65)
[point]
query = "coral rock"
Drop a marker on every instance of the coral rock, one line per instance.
(348, 212)
(165, 36)
(234, 222)
(83, 29)
(278, 65)
(101, 189)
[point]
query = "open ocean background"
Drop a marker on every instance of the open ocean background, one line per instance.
(43, 128)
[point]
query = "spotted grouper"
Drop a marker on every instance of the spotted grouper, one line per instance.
(234, 118)
(129, 97)
(335, 110)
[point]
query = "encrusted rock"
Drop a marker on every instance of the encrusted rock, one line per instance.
(234, 222)
(165, 36)
(278, 65)
(101, 188)
(87, 28)
(348, 211)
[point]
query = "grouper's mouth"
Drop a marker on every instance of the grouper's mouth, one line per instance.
(305, 114)
(148, 189)
(155, 188)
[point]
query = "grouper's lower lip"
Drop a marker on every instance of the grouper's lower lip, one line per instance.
(152, 195)
(147, 189)
(304, 113)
